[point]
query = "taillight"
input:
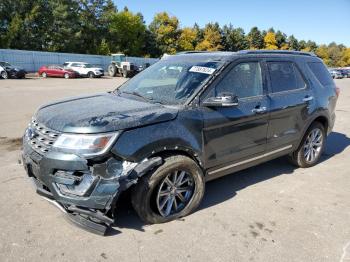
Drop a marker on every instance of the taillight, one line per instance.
(337, 91)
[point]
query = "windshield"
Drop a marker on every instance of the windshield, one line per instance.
(89, 65)
(170, 82)
(5, 64)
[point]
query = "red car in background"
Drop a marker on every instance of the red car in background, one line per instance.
(56, 71)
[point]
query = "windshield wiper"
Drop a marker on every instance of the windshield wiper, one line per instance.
(147, 99)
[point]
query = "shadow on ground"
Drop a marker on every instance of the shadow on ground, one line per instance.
(224, 188)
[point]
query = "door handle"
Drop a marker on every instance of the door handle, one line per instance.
(259, 110)
(308, 98)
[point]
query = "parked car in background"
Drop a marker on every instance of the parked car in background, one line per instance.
(335, 73)
(344, 72)
(2, 72)
(85, 69)
(56, 71)
(12, 71)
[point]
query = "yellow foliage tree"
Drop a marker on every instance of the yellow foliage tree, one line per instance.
(270, 41)
(211, 40)
(285, 46)
(322, 52)
(187, 39)
(346, 57)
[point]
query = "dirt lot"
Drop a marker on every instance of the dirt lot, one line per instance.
(272, 212)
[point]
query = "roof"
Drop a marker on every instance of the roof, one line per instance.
(225, 55)
(77, 62)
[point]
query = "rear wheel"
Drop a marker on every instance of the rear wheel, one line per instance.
(311, 147)
(173, 190)
(4, 75)
(66, 75)
(125, 73)
(43, 74)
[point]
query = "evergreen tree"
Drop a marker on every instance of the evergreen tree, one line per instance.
(234, 38)
(255, 39)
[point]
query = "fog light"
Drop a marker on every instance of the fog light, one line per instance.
(78, 189)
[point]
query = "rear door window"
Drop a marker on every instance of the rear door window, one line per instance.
(285, 76)
(321, 73)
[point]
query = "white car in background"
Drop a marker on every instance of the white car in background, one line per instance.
(85, 69)
(2, 72)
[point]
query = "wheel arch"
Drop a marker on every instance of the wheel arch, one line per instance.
(321, 118)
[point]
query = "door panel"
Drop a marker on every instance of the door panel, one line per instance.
(289, 108)
(234, 133)
(288, 115)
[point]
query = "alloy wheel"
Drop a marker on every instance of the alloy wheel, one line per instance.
(313, 145)
(4, 75)
(174, 193)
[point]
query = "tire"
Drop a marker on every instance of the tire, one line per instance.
(43, 74)
(300, 157)
(66, 75)
(4, 75)
(125, 73)
(112, 70)
(145, 195)
(91, 75)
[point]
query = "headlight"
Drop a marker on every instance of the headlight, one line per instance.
(87, 145)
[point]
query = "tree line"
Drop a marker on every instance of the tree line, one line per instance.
(97, 27)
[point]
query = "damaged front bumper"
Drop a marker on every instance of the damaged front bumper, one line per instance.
(86, 191)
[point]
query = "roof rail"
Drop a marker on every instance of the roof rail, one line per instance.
(191, 52)
(277, 52)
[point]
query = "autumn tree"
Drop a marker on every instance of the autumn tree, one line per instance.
(322, 52)
(211, 38)
(187, 39)
(166, 31)
(270, 41)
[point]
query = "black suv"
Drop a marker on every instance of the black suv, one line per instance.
(189, 118)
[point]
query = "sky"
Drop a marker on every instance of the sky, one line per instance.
(322, 21)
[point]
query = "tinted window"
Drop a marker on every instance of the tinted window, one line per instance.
(321, 73)
(244, 80)
(285, 76)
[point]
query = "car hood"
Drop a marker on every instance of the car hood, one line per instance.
(105, 112)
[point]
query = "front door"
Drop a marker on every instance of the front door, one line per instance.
(231, 134)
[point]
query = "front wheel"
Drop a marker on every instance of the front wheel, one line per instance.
(112, 70)
(91, 75)
(66, 76)
(4, 75)
(173, 190)
(311, 147)
(43, 74)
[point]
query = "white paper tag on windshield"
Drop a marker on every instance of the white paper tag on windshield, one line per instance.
(202, 69)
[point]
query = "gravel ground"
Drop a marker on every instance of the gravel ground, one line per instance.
(271, 212)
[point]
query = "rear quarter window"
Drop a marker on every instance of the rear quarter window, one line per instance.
(321, 73)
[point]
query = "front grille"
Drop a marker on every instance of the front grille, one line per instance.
(39, 137)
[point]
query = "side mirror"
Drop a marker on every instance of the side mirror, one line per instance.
(221, 101)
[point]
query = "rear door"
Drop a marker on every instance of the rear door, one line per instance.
(290, 98)
(234, 133)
